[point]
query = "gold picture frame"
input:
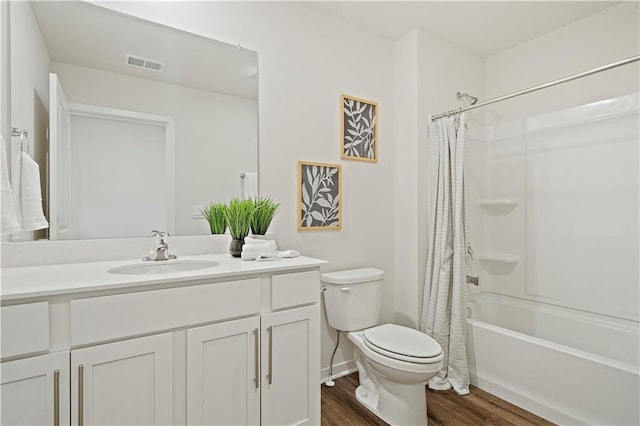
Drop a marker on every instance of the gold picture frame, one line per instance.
(358, 129)
(319, 196)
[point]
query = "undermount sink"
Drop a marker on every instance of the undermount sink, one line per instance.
(163, 267)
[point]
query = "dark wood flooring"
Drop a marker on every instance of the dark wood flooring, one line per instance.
(340, 408)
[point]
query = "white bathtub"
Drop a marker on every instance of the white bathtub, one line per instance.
(568, 366)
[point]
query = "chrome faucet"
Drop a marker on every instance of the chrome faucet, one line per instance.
(162, 249)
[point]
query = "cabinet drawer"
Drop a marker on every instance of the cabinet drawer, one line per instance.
(25, 329)
(111, 317)
(299, 288)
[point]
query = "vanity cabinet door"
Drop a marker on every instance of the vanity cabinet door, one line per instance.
(123, 383)
(33, 393)
(223, 373)
(291, 367)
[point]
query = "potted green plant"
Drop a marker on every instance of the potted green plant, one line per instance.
(239, 214)
(214, 213)
(265, 210)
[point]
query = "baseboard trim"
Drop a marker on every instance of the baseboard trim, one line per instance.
(339, 370)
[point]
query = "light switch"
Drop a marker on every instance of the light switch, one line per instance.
(197, 212)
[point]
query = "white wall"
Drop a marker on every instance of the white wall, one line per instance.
(5, 92)
(428, 72)
(215, 134)
(306, 60)
(599, 39)
(29, 69)
(576, 227)
(405, 126)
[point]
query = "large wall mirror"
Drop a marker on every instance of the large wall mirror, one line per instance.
(133, 124)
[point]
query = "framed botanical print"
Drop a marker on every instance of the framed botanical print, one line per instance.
(319, 196)
(358, 129)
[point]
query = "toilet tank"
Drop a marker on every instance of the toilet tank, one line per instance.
(352, 298)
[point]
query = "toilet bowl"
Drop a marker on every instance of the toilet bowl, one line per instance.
(394, 362)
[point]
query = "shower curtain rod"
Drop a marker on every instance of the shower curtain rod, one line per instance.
(539, 87)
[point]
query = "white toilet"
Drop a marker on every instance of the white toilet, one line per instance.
(393, 361)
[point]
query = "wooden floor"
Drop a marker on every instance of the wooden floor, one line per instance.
(340, 408)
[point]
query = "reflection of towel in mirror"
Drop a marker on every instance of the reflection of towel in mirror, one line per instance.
(10, 222)
(30, 207)
(252, 250)
(250, 185)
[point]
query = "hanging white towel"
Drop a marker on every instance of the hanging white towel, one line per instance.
(250, 185)
(10, 223)
(31, 195)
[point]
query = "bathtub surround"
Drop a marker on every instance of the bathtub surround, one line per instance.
(552, 351)
(444, 304)
(579, 320)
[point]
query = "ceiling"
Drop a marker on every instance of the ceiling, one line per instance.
(91, 36)
(481, 27)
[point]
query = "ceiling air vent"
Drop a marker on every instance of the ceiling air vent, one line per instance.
(137, 61)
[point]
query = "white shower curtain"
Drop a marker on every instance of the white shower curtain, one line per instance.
(443, 306)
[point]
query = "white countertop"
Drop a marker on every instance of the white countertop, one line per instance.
(52, 280)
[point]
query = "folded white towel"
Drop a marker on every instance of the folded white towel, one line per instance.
(253, 241)
(251, 251)
(279, 255)
(31, 197)
(9, 217)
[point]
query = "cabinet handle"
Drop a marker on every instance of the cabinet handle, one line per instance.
(56, 398)
(80, 395)
(256, 332)
(270, 375)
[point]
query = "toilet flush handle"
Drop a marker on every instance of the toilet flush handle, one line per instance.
(345, 289)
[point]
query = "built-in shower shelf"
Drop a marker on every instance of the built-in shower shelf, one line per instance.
(498, 263)
(498, 206)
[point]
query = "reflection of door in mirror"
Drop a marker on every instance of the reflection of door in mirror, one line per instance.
(109, 170)
(122, 181)
(59, 160)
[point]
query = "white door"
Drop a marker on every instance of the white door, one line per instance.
(59, 160)
(123, 383)
(120, 174)
(291, 367)
(223, 375)
(35, 391)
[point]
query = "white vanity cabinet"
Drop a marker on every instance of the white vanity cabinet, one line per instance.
(237, 349)
(223, 373)
(35, 390)
(290, 381)
(123, 383)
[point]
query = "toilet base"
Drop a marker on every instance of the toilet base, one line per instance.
(404, 415)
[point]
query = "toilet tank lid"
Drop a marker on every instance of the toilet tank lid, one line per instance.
(352, 276)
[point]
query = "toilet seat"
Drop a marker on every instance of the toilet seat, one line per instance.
(403, 344)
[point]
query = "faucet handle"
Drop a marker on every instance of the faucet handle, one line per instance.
(160, 236)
